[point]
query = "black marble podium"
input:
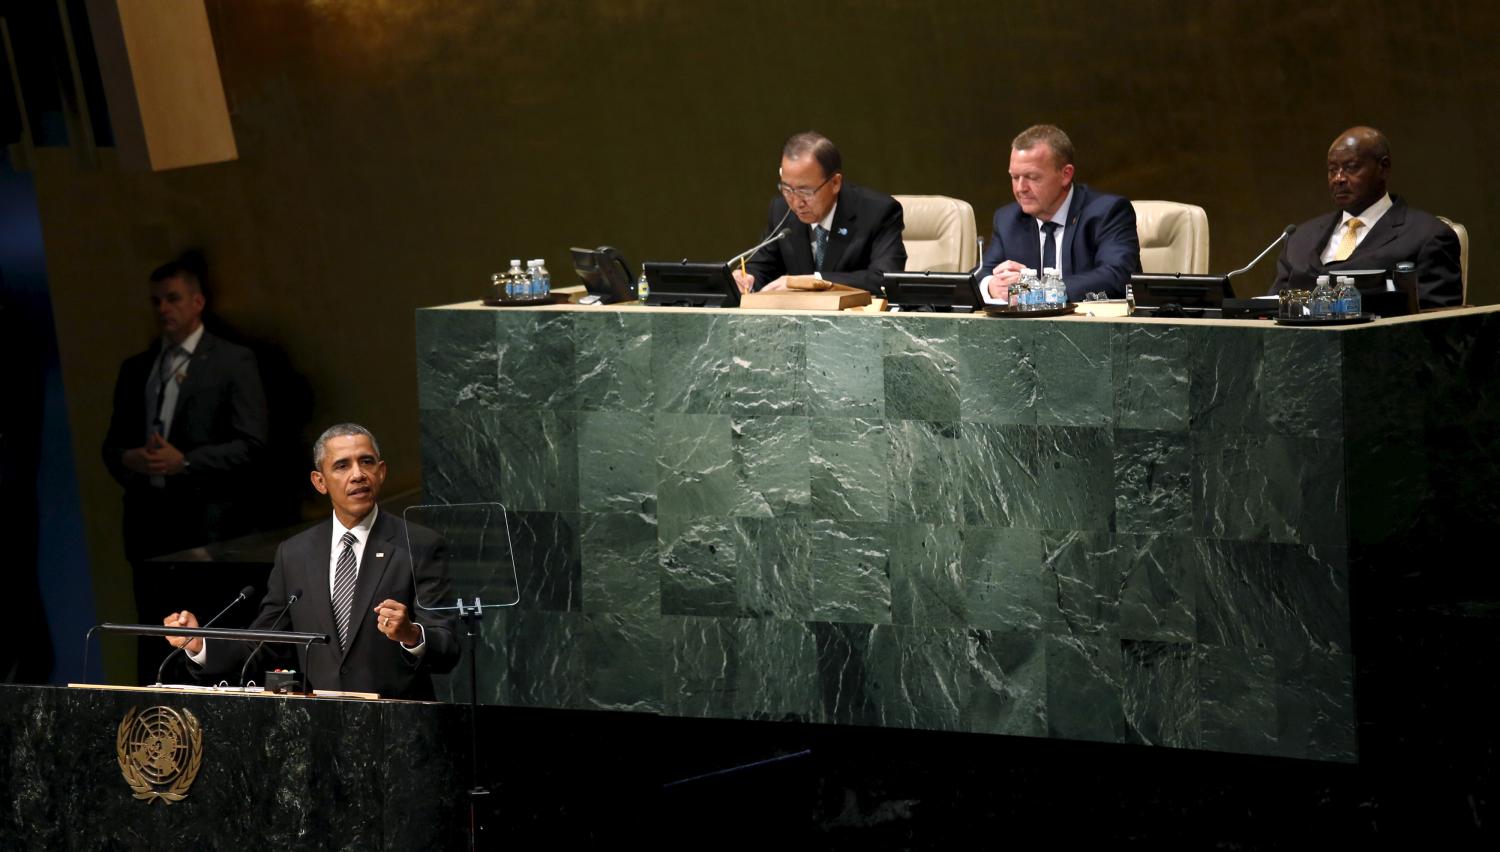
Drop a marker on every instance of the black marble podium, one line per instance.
(276, 773)
(1189, 534)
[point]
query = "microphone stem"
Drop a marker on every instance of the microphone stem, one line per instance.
(777, 234)
(179, 650)
(250, 659)
(1251, 265)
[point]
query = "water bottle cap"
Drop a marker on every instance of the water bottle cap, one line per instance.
(1051, 270)
(1322, 279)
(531, 264)
(515, 261)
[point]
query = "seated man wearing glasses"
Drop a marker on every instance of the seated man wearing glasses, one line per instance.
(844, 233)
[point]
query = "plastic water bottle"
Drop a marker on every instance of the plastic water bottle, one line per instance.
(1347, 301)
(642, 287)
(543, 287)
(1053, 290)
(533, 286)
(515, 279)
(1035, 298)
(1322, 299)
(1019, 296)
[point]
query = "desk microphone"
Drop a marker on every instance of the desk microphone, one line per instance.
(779, 235)
(244, 594)
(1285, 232)
(290, 599)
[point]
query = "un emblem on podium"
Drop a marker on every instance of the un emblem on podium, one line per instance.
(160, 750)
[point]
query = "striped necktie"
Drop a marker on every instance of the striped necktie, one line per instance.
(343, 588)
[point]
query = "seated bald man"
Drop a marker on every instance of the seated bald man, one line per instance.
(1371, 228)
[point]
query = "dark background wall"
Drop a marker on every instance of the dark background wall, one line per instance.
(393, 154)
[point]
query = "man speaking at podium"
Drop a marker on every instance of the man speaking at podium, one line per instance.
(358, 583)
(842, 233)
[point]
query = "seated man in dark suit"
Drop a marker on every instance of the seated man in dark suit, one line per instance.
(848, 234)
(357, 581)
(1371, 229)
(1089, 237)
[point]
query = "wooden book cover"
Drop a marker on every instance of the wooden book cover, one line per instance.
(836, 298)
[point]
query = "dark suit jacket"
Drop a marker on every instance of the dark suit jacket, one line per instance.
(372, 663)
(1100, 249)
(219, 424)
(1403, 233)
(863, 243)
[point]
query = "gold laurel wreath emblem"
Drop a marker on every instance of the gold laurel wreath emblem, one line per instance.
(160, 751)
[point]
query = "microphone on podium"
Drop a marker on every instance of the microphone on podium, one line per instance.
(244, 594)
(290, 599)
(779, 233)
(746, 255)
(1285, 232)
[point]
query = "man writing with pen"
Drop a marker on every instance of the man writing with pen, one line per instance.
(843, 233)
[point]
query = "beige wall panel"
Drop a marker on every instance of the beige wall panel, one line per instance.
(161, 73)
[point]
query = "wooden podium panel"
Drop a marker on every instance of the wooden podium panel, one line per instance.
(161, 79)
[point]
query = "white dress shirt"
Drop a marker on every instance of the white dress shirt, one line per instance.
(1367, 218)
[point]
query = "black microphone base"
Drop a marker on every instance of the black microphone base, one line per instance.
(283, 682)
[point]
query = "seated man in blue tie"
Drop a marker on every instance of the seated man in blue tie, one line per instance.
(848, 234)
(1371, 229)
(1089, 237)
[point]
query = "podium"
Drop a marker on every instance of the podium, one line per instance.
(271, 772)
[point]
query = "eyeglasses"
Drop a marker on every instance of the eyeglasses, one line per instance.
(801, 192)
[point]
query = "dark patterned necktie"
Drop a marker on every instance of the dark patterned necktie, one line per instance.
(820, 246)
(343, 588)
(1049, 252)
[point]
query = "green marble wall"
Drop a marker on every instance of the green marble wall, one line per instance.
(1110, 531)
